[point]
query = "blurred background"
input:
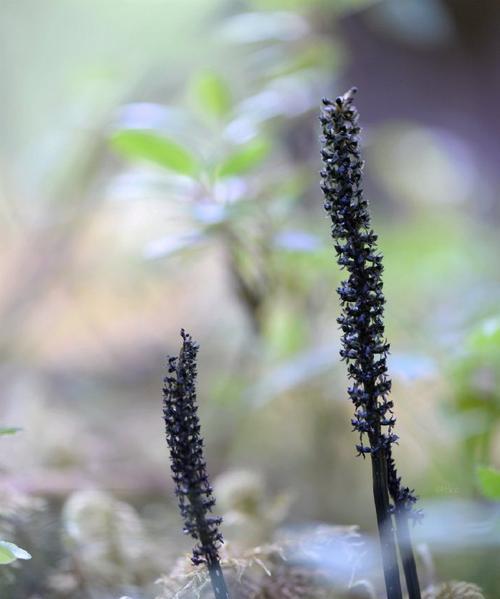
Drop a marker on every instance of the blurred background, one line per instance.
(159, 166)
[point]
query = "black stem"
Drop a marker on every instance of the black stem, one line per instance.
(217, 579)
(212, 561)
(406, 551)
(403, 499)
(384, 523)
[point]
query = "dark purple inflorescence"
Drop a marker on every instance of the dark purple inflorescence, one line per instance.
(404, 498)
(364, 346)
(186, 454)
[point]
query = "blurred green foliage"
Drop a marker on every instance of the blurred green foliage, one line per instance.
(145, 145)
(11, 430)
(476, 383)
(9, 552)
(164, 173)
(211, 95)
(489, 482)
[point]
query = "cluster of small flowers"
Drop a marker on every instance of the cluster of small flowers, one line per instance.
(364, 347)
(404, 497)
(186, 454)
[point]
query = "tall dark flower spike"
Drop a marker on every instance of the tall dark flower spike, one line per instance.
(364, 347)
(188, 465)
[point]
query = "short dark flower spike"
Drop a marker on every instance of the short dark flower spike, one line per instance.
(188, 465)
(364, 346)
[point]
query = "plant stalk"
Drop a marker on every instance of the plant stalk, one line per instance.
(213, 565)
(406, 552)
(384, 523)
(217, 579)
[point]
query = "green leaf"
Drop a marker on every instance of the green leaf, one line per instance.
(251, 27)
(12, 430)
(284, 332)
(489, 482)
(10, 552)
(245, 158)
(212, 95)
(486, 336)
(146, 145)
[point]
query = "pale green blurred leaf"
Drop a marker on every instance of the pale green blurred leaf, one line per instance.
(338, 8)
(172, 244)
(486, 337)
(10, 552)
(147, 145)
(251, 27)
(212, 95)
(489, 482)
(295, 240)
(11, 430)
(314, 58)
(285, 333)
(245, 158)
(294, 372)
